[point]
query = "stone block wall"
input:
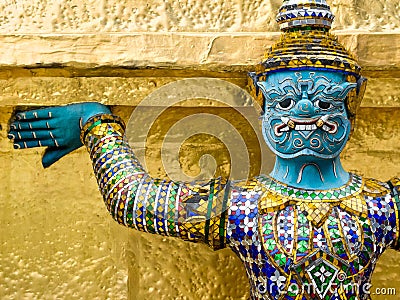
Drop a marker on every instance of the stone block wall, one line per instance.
(57, 240)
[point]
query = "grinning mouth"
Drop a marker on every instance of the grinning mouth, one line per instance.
(307, 124)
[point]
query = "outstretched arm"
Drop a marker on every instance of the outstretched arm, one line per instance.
(194, 212)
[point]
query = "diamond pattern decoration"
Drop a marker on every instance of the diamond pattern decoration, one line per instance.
(317, 212)
(322, 274)
(317, 205)
(285, 228)
(353, 186)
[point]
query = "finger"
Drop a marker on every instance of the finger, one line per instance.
(39, 114)
(31, 125)
(29, 135)
(52, 155)
(24, 144)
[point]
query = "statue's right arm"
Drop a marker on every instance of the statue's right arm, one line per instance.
(194, 212)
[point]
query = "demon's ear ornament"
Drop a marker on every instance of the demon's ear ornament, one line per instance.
(355, 97)
(255, 91)
(361, 87)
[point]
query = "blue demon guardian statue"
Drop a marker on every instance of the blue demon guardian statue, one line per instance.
(309, 230)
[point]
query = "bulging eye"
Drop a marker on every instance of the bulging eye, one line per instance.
(323, 104)
(286, 104)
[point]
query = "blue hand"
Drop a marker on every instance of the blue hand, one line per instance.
(57, 128)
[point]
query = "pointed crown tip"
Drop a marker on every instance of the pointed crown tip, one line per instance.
(304, 13)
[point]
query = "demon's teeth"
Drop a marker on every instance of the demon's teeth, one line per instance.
(326, 128)
(300, 127)
(285, 128)
(285, 120)
(324, 118)
(322, 122)
(306, 127)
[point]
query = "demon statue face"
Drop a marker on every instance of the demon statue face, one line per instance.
(305, 113)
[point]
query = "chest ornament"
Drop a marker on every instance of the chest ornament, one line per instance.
(316, 205)
(318, 239)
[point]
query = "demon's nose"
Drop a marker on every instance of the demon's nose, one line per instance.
(304, 108)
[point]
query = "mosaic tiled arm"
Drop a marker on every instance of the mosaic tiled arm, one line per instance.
(395, 186)
(194, 212)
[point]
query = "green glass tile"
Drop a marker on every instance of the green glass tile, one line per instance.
(267, 229)
(340, 249)
(302, 246)
(334, 233)
(280, 259)
(270, 244)
(268, 217)
(304, 231)
(302, 218)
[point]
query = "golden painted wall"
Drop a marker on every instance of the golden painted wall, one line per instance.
(57, 240)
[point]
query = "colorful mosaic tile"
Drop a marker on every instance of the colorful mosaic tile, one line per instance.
(195, 212)
(349, 189)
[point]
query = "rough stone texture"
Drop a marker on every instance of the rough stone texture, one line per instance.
(59, 90)
(131, 91)
(57, 238)
(196, 50)
(73, 16)
(374, 148)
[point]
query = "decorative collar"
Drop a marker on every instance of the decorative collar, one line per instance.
(316, 204)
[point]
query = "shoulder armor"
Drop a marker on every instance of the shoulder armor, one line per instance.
(375, 188)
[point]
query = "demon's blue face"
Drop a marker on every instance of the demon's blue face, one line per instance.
(305, 113)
